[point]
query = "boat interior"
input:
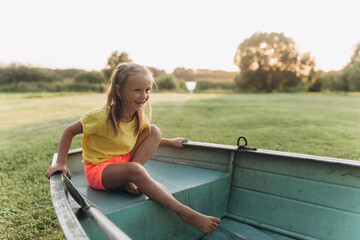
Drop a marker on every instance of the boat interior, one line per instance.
(257, 194)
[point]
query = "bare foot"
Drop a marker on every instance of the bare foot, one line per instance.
(132, 188)
(204, 223)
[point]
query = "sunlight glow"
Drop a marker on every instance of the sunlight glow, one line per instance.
(190, 86)
(169, 34)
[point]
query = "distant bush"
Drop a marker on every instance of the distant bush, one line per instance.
(333, 81)
(30, 87)
(67, 73)
(83, 87)
(52, 87)
(14, 74)
(210, 85)
(181, 85)
(90, 77)
(19, 78)
(166, 82)
(157, 73)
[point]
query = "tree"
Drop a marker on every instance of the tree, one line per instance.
(353, 70)
(90, 77)
(270, 61)
(157, 73)
(356, 56)
(13, 74)
(114, 60)
(186, 74)
(333, 81)
(166, 82)
(310, 77)
(354, 77)
(67, 73)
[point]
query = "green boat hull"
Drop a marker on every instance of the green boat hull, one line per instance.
(258, 195)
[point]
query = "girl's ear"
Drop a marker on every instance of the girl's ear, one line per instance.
(117, 89)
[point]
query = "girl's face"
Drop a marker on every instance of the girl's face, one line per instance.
(136, 93)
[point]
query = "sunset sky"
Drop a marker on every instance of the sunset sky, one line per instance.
(169, 34)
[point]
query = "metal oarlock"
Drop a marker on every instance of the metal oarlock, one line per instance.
(244, 146)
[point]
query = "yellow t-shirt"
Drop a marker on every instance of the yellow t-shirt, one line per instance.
(99, 143)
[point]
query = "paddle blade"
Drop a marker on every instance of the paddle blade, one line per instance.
(74, 193)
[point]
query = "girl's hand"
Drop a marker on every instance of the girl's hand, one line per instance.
(58, 167)
(177, 142)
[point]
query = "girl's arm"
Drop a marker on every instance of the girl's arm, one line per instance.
(64, 147)
(175, 142)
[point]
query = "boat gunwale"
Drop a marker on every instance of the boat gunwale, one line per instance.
(68, 222)
(74, 230)
(332, 160)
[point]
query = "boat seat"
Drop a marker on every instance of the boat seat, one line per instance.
(204, 190)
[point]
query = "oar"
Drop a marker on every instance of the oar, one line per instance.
(105, 225)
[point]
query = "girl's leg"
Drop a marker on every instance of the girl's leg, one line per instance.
(147, 143)
(116, 175)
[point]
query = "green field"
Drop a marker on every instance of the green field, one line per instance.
(31, 126)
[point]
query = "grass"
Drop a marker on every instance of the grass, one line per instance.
(31, 126)
(326, 125)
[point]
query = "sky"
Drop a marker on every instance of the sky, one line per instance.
(167, 34)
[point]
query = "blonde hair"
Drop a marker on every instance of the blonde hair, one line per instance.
(120, 77)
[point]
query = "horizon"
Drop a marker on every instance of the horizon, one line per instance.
(167, 35)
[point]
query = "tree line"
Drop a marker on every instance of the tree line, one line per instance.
(20, 78)
(268, 62)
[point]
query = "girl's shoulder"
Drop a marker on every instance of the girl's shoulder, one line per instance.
(97, 113)
(94, 121)
(104, 110)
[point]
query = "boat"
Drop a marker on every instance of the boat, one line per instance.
(258, 194)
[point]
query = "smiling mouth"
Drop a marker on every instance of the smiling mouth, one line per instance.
(140, 103)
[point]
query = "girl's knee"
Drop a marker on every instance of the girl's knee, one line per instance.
(137, 170)
(155, 132)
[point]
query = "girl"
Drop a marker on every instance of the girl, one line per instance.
(118, 140)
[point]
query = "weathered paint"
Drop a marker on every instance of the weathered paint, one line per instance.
(231, 229)
(138, 215)
(298, 195)
(67, 219)
(281, 195)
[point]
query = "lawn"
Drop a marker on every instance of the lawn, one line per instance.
(31, 126)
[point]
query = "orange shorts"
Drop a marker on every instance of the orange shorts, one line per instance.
(93, 172)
